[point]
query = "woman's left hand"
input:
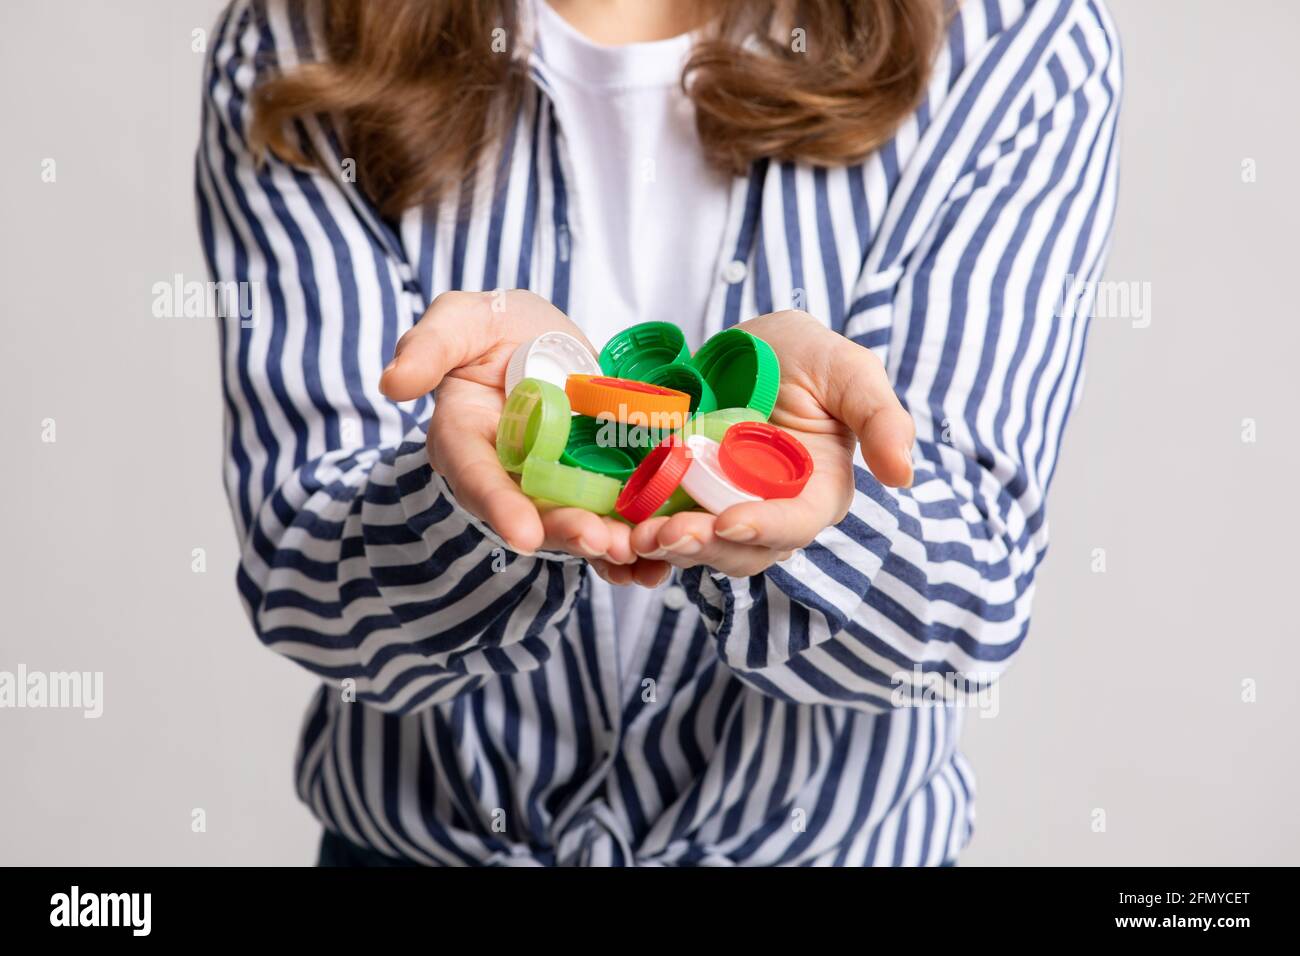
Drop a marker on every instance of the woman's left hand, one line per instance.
(834, 394)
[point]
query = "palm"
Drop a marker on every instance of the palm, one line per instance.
(464, 411)
(470, 397)
(833, 394)
(829, 442)
(470, 338)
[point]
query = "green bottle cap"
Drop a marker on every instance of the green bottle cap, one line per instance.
(742, 370)
(534, 424)
(685, 378)
(637, 351)
(643, 440)
(573, 487)
(594, 446)
(715, 424)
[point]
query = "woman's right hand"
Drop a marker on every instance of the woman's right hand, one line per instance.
(460, 347)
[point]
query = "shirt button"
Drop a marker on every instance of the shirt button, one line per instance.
(675, 598)
(734, 271)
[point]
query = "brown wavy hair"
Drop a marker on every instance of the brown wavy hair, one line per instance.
(418, 89)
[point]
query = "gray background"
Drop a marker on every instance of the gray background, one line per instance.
(1128, 695)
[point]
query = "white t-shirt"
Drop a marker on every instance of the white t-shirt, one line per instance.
(650, 213)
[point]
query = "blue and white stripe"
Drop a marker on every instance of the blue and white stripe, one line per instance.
(500, 719)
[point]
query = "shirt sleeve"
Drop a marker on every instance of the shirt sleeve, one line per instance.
(356, 560)
(975, 296)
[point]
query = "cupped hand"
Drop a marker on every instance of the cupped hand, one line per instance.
(461, 347)
(834, 394)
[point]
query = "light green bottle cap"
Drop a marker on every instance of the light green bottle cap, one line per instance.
(569, 486)
(715, 424)
(637, 351)
(534, 424)
(679, 500)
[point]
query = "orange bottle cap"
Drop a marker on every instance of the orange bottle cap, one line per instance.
(635, 403)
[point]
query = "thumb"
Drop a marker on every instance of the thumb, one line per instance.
(862, 397)
(451, 333)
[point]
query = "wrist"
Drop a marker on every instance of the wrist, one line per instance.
(494, 539)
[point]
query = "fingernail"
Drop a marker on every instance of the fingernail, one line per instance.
(738, 532)
(389, 367)
(653, 555)
(906, 454)
(687, 544)
(587, 549)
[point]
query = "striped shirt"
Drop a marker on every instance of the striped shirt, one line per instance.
(477, 705)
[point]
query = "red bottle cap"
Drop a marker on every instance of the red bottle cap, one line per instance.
(654, 480)
(764, 460)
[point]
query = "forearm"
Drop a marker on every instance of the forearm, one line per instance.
(984, 349)
(911, 582)
(362, 567)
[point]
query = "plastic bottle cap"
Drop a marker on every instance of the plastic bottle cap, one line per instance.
(654, 480)
(635, 403)
(635, 352)
(572, 487)
(742, 370)
(679, 500)
(704, 480)
(594, 446)
(685, 378)
(551, 357)
(764, 460)
(534, 424)
(715, 424)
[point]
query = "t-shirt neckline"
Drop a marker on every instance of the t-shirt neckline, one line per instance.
(566, 51)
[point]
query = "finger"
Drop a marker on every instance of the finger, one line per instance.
(650, 574)
(573, 530)
(579, 532)
(862, 397)
(453, 332)
(619, 549)
(647, 574)
(645, 536)
(687, 539)
(887, 446)
(619, 574)
(785, 523)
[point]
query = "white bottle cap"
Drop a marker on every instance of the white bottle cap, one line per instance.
(551, 357)
(704, 479)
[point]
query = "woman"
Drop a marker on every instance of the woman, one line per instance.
(897, 197)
